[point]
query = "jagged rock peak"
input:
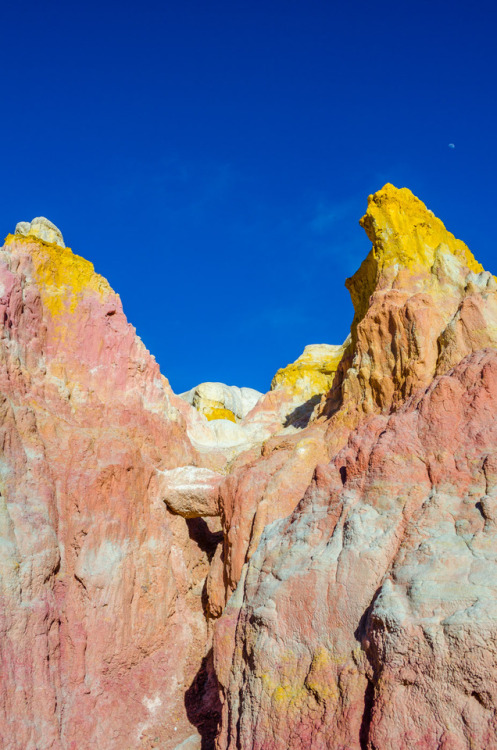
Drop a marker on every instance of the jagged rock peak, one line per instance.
(41, 228)
(363, 548)
(409, 244)
(403, 230)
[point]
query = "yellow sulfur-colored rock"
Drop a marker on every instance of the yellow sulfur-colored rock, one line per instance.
(422, 302)
(62, 276)
(408, 240)
(403, 230)
(312, 373)
(218, 412)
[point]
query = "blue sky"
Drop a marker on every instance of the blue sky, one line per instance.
(212, 159)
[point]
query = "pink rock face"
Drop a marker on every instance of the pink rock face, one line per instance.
(352, 602)
(368, 617)
(422, 303)
(102, 625)
(259, 491)
(356, 620)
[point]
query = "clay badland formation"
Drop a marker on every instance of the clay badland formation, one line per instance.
(315, 567)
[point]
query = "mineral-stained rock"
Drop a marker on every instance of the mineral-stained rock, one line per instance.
(421, 303)
(368, 617)
(190, 491)
(258, 491)
(221, 425)
(220, 401)
(42, 229)
(353, 597)
(102, 628)
(310, 377)
(347, 610)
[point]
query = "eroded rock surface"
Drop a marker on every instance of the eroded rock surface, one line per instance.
(359, 620)
(220, 401)
(101, 617)
(42, 229)
(335, 539)
(190, 491)
(368, 617)
(309, 378)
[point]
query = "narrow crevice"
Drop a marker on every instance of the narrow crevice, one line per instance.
(203, 704)
(366, 716)
(202, 698)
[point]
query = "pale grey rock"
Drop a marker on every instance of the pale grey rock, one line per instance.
(23, 228)
(42, 229)
(207, 396)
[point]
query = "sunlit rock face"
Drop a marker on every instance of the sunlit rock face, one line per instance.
(102, 623)
(367, 618)
(220, 401)
(334, 540)
(41, 229)
(312, 374)
(421, 303)
(220, 423)
(364, 615)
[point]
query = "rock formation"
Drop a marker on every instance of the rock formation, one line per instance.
(314, 567)
(363, 618)
(42, 229)
(367, 618)
(98, 580)
(312, 374)
(220, 401)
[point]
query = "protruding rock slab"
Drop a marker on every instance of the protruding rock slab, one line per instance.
(190, 491)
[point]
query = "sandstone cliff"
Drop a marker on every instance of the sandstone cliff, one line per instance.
(97, 580)
(364, 615)
(334, 540)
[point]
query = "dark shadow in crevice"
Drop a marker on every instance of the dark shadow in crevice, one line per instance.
(480, 509)
(361, 629)
(300, 416)
(360, 634)
(366, 716)
(206, 539)
(203, 704)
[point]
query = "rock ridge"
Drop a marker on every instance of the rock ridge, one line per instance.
(315, 566)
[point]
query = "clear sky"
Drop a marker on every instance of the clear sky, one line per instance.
(212, 158)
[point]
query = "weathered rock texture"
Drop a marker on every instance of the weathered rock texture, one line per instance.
(352, 602)
(102, 628)
(220, 401)
(368, 617)
(365, 613)
(312, 374)
(42, 229)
